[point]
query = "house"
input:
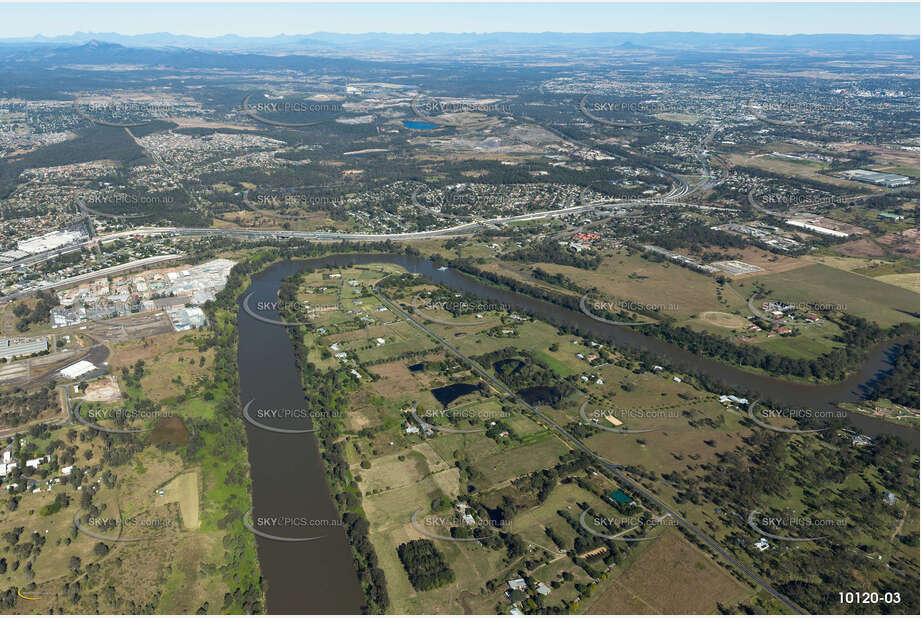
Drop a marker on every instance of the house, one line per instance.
(66, 470)
(861, 440)
(412, 429)
(517, 584)
(542, 589)
(35, 463)
(762, 544)
(380, 341)
(468, 519)
(676, 379)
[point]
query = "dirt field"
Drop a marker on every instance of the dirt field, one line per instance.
(723, 320)
(104, 390)
(670, 577)
(184, 490)
(166, 357)
(769, 262)
(908, 281)
(863, 247)
(806, 170)
(903, 243)
(863, 296)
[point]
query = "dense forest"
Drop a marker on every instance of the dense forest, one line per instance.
(424, 564)
(553, 252)
(901, 384)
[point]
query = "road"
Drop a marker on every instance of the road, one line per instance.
(464, 228)
(610, 468)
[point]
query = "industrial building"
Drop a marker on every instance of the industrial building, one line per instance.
(816, 228)
(50, 241)
(186, 318)
(882, 179)
(78, 369)
(10, 348)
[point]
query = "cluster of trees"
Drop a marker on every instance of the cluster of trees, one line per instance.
(557, 279)
(526, 374)
(19, 407)
(858, 335)
(552, 252)
(840, 483)
(424, 564)
(901, 383)
(694, 236)
(46, 300)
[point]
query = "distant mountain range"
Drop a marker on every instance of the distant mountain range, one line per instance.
(324, 42)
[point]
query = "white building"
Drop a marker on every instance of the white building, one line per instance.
(78, 369)
(49, 241)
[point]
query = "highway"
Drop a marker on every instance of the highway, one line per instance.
(610, 468)
(255, 234)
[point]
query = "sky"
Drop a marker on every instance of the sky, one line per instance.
(264, 19)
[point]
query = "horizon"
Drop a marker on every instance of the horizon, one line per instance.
(248, 21)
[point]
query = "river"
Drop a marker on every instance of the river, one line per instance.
(288, 474)
(289, 478)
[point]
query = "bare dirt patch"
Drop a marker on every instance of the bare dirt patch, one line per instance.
(863, 247)
(723, 320)
(104, 390)
(904, 243)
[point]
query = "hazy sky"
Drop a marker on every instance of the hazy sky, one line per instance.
(251, 19)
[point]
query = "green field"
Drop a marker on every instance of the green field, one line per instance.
(862, 296)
